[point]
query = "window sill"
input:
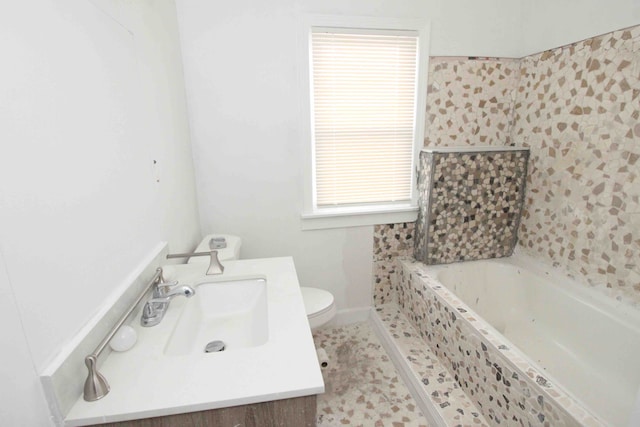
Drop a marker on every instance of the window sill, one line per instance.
(356, 217)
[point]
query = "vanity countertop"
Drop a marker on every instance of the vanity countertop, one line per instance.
(147, 383)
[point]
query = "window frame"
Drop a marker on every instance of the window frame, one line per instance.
(312, 217)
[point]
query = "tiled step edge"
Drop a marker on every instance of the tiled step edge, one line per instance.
(438, 395)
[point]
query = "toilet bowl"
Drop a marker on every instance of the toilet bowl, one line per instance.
(318, 303)
(320, 306)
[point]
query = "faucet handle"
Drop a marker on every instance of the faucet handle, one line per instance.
(153, 312)
(161, 288)
(215, 267)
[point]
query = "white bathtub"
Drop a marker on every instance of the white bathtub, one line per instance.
(586, 344)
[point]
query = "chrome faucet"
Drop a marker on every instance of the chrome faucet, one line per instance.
(173, 289)
(157, 306)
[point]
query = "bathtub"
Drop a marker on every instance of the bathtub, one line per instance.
(529, 346)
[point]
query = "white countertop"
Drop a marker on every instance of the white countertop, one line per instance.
(147, 383)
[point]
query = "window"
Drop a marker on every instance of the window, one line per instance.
(364, 94)
(364, 128)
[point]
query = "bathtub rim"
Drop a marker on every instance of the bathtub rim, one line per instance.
(622, 310)
(534, 375)
(618, 310)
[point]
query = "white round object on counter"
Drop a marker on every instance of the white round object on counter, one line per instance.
(124, 339)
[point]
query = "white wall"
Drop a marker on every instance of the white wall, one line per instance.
(241, 75)
(90, 95)
(547, 24)
(22, 397)
(157, 41)
(486, 28)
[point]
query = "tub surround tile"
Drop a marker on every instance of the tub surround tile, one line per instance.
(504, 386)
(578, 108)
(392, 240)
(448, 399)
(470, 101)
(362, 387)
(470, 205)
(389, 242)
(383, 276)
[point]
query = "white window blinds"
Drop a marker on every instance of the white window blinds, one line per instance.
(364, 104)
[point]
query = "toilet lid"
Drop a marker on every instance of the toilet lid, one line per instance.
(316, 300)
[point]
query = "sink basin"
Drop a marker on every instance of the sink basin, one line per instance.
(234, 312)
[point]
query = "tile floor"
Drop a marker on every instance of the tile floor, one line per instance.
(362, 387)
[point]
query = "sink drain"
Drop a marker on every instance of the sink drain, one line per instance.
(214, 347)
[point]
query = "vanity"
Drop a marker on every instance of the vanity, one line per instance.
(295, 412)
(267, 374)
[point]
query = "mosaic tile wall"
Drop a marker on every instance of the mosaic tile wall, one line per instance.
(578, 109)
(503, 386)
(389, 242)
(470, 205)
(470, 101)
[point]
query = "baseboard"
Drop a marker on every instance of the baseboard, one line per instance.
(351, 315)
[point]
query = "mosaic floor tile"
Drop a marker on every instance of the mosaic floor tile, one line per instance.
(362, 387)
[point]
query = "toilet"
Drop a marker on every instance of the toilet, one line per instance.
(320, 306)
(232, 251)
(318, 303)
